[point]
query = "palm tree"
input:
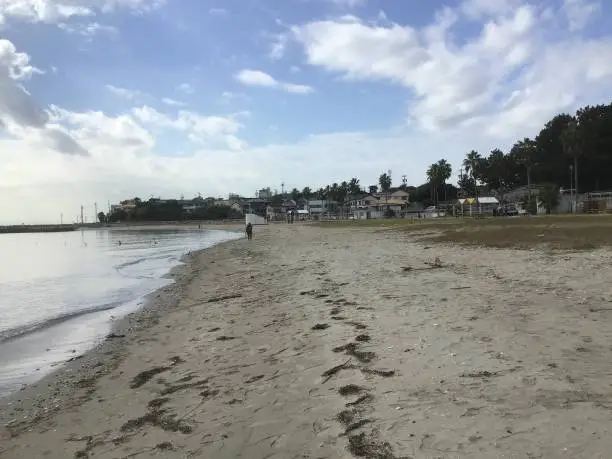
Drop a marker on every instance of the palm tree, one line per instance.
(385, 182)
(433, 177)
(354, 187)
(444, 170)
(525, 151)
(472, 163)
(572, 147)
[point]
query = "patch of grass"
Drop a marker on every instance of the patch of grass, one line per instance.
(556, 232)
(581, 232)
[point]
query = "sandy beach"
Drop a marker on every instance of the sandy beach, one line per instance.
(312, 342)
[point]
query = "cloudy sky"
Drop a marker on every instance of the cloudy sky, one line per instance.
(106, 99)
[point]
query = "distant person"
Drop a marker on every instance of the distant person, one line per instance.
(249, 231)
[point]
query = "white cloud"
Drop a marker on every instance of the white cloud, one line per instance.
(580, 12)
(172, 102)
(348, 3)
(231, 95)
(478, 9)
(20, 116)
(55, 11)
(129, 94)
(218, 11)
(102, 133)
(458, 82)
(251, 77)
(278, 46)
(217, 131)
(89, 29)
(185, 88)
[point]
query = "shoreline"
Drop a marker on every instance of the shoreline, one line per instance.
(310, 342)
(41, 399)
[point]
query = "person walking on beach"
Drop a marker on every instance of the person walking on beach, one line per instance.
(249, 231)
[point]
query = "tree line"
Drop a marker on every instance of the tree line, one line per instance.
(570, 151)
(169, 210)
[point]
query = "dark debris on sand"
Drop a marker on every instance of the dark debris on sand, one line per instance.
(350, 389)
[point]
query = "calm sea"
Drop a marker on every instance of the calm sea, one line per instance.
(60, 292)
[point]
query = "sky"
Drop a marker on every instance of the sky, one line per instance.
(102, 100)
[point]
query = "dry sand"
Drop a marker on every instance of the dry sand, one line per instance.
(488, 354)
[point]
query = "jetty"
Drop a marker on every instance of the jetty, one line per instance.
(36, 228)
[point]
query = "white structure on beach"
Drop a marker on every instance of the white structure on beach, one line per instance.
(254, 220)
(483, 204)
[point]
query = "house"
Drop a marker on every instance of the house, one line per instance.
(289, 205)
(386, 206)
(480, 205)
(358, 206)
(322, 208)
(255, 206)
(264, 194)
(400, 195)
(128, 205)
(302, 204)
(397, 194)
(237, 207)
(368, 206)
(521, 193)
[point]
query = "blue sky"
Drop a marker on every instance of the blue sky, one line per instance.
(113, 98)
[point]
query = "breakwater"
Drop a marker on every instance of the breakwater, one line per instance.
(36, 228)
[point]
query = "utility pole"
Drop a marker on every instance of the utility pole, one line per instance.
(95, 211)
(572, 203)
(81, 214)
(61, 219)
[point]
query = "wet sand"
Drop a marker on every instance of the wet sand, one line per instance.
(336, 343)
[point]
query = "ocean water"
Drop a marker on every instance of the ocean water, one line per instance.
(61, 292)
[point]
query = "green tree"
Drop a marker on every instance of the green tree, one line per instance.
(524, 154)
(500, 171)
(549, 195)
(474, 165)
(295, 194)
(385, 183)
(277, 199)
(444, 171)
(373, 189)
(354, 187)
(571, 139)
(101, 217)
(307, 193)
(434, 180)
(552, 164)
(119, 215)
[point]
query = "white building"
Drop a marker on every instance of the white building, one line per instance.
(322, 208)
